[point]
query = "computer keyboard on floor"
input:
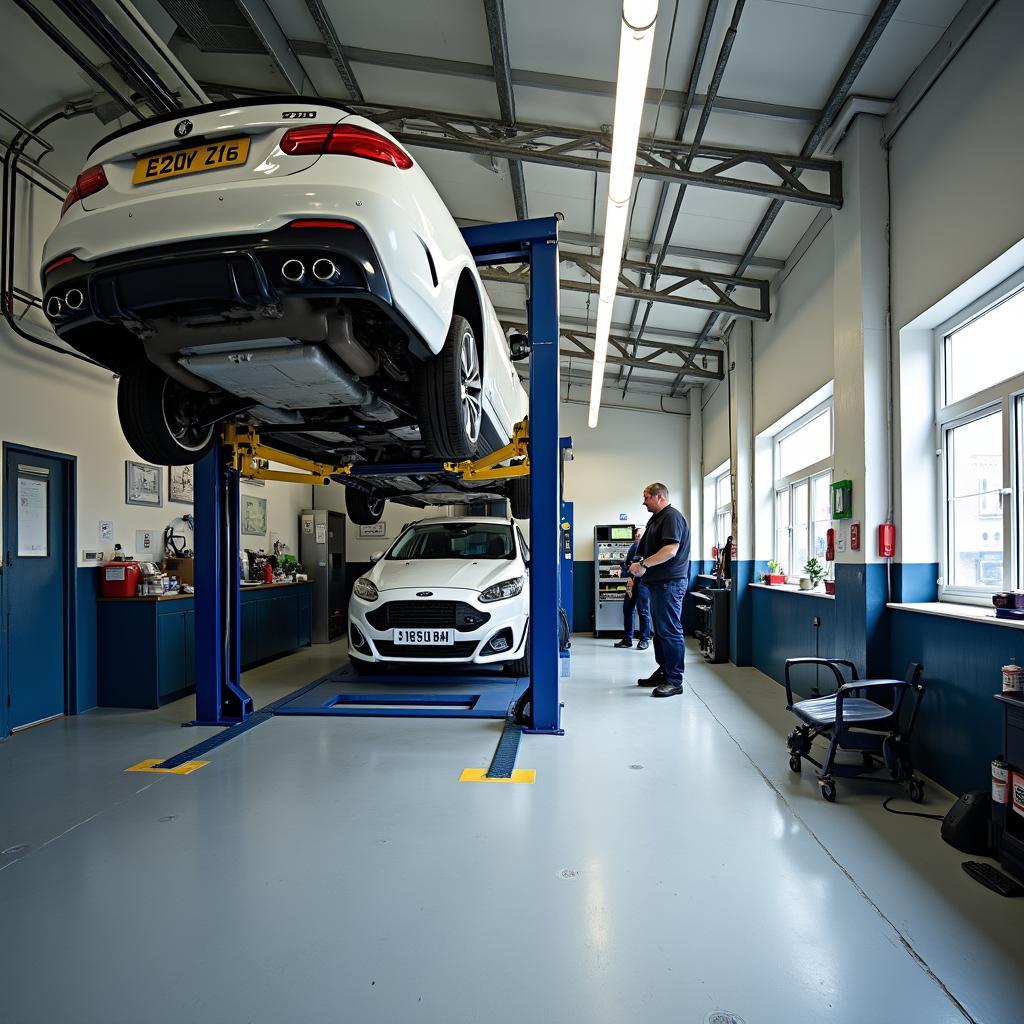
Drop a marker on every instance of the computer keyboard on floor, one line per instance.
(992, 879)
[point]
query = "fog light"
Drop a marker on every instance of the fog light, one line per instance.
(357, 639)
(501, 641)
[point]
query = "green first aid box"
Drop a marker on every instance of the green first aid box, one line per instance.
(842, 499)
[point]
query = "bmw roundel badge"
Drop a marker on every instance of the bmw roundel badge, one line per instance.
(424, 593)
(182, 128)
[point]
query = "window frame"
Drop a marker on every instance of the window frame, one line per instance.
(1007, 398)
(804, 475)
(721, 511)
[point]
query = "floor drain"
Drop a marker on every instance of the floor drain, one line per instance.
(167, 817)
(723, 1017)
(13, 851)
(636, 767)
(568, 873)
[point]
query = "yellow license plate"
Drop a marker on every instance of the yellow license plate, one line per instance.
(210, 156)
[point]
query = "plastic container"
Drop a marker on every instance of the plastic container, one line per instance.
(1012, 682)
(1000, 781)
(120, 579)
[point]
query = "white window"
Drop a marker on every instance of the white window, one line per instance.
(723, 507)
(980, 415)
(803, 479)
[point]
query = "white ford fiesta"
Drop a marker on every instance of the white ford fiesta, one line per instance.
(283, 263)
(447, 591)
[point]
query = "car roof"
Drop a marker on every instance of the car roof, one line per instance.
(462, 520)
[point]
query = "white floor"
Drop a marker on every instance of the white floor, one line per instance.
(665, 866)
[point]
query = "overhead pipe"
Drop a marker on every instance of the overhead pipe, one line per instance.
(99, 29)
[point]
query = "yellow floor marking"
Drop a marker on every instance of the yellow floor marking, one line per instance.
(527, 775)
(150, 766)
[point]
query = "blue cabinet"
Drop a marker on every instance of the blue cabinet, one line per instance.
(146, 646)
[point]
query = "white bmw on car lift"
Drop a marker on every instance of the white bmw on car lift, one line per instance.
(448, 591)
(285, 264)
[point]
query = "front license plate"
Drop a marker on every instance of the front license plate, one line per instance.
(431, 637)
(210, 156)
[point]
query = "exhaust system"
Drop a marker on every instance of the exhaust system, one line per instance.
(325, 270)
(293, 271)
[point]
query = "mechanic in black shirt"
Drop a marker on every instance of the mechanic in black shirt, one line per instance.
(664, 566)
(636, 600)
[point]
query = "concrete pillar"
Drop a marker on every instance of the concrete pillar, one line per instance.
(861, 397)
(695, 512)
(741, 460)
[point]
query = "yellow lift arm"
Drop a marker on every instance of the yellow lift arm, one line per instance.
(249, 455)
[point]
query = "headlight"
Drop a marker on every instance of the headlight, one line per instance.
(365, 589)
(504, 590)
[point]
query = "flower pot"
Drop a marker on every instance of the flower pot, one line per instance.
(830, 586)
(773, 579)
(805, 583)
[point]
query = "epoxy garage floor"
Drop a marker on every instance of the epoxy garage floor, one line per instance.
(665, 867)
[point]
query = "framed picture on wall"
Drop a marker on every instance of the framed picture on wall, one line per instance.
(143, 484)
(254, 516)
(181, 484)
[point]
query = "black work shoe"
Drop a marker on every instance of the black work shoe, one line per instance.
(667, 690)
(643, 645)
(623, 643)
(653, 680)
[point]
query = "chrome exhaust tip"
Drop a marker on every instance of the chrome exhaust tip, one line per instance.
(74, 299)
(53, 307)
(293, 270)
(325, 270)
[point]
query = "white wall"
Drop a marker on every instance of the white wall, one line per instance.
(615, 461)
(793, 351)
(956, 168)
(716, 422)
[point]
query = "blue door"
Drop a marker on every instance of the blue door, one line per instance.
(36, 532)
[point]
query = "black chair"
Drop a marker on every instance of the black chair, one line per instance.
(851, 720)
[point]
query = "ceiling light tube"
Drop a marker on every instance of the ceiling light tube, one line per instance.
(636, 40)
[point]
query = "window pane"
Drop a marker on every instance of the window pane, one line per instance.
(821, 492)
(987, 350)
(818, 529)
(974, 454)
(723, 526)
(799, 551)
(722, 496)
(782, 509)
(800, 504)
(810, 444)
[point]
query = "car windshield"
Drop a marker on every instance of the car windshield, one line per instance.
(455, 540)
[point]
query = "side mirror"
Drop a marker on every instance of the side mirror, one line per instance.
(376, 556)
(518, 346)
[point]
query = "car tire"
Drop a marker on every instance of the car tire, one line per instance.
(519, 496)
(363, 509)
(451, 395)
(519, 667)
(156, 414)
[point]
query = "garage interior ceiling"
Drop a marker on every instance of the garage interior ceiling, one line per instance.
(508, 108)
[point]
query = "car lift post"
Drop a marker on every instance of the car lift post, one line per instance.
(220, 698)
(536, 242)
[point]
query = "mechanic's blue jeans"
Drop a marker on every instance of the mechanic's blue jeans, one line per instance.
(641, 603)
(667, 613)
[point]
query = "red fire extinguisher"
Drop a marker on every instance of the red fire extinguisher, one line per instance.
(830, 545)
(887, 540)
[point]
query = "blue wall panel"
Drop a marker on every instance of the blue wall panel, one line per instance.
(959, 730)
(87, 589)
(783, 627)
(915, 581)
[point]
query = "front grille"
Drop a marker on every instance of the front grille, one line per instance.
(459, 649)
(426, 615)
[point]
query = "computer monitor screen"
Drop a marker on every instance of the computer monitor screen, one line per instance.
(622, 533)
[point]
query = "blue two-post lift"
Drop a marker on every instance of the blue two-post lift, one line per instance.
(220, 698)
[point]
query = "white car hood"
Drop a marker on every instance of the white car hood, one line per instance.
(443, 573)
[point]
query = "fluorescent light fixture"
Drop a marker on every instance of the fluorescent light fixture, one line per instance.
(635, 42)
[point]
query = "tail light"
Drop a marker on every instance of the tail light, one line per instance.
(88, 183)
(344, 140)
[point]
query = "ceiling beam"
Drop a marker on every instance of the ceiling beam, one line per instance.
(265, 25)
(325, 26)
(556, 83)
(514, 316)
(497, 34)
(590, 150)
(675, 278)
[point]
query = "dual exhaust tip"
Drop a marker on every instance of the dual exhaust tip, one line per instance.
(74, 300)
(323, 270)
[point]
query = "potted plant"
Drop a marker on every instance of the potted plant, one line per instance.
(774, 575)
(814, 573)
(830, 587)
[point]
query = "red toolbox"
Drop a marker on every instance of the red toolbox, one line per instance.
(120, 579)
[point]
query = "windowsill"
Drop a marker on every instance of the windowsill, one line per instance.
(793, 588)
(968, 612)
